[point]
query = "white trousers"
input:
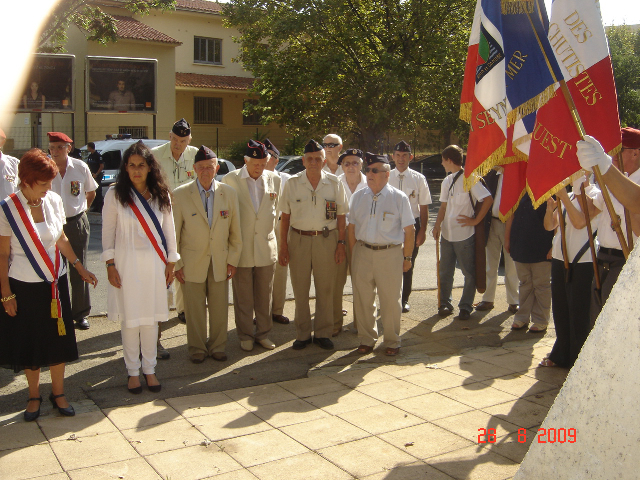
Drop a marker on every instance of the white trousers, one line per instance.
(136, 340)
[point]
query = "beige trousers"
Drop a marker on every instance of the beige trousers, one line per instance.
(252, 288)
(379, 270)
(313, 255)
(338, 292)
(198, 297)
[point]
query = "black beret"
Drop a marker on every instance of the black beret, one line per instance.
(351, 152)
(271, 146)
(312, 146)
(204, 153)
(181, 128)
(256, 150)
(402, 146)
(371, 158)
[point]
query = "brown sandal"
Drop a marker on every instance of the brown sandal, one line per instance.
(546, 362)
(364, 349)
(391, 352)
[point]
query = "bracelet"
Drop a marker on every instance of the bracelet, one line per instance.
(74, 263)
(342, 242)
(111, 265)
(6, 299)
(408, 259)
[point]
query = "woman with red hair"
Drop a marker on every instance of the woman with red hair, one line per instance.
(36, 327)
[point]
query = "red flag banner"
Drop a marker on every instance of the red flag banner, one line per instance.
(513, 188)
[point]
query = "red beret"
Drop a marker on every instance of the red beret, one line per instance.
(630, 138)
(59, 137)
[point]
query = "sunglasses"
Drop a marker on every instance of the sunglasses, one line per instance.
(350, 164)
(373, 170)
(330, 145)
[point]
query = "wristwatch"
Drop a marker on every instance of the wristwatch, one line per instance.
(342, 242)
(408, 259)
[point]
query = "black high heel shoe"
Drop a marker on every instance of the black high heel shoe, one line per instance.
(31, 416)
(134, 390)
(152, 388)
(67, 411)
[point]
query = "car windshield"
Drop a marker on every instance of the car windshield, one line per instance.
(112, 160)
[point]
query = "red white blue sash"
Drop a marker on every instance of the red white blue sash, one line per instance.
(147, 217)
(35, 252)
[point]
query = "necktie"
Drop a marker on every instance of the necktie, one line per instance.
(206, 206)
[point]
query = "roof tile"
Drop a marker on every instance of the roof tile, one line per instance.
(225, 82)
(134, 30)
(199, 6)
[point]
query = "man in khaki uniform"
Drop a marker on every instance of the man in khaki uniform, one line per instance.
(176, 160)
(381, 236)
(258, 195)
(314, 205)
(207, 221)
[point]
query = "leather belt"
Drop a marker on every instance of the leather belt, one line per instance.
(380, 247)
(75, 217)
(611, 251)
(310, 233)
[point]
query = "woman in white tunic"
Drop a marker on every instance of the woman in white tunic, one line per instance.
(139, 248)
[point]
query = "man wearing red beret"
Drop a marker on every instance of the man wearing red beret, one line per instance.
(75, 184)
(8, 170)
(610, 256)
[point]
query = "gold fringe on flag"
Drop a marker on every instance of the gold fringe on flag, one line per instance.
(465, 112)
(615, 151)
(505, 217)
(496, 158)
(554, 189)
(531, 105)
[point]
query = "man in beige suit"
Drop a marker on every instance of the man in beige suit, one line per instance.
(207, 218)
(258, 195)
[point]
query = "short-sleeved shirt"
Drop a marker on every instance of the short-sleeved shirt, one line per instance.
(530, 242)
(72, 188)
(8, 175)
(606, 235)
(94, 161)
(575, 238)
(414, 185)
(179, 172)
(380, 219)
(459, 203)
(339, 170)
(48, 231)
(313, 210)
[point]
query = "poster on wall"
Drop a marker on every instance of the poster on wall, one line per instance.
(121, 85)
(50, 84)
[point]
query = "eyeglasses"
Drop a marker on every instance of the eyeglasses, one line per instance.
(350, 164)
(373, 170)
(330, 145)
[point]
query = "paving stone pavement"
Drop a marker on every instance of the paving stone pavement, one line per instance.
(297, 415)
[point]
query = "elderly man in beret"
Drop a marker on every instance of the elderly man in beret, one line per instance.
(381, 236)
(77, 187)
(176, 160)
(258, 195)
(8, 170)
(414, 185)
(610, 257)
(313, 206)
(207, 221)
(332, 145)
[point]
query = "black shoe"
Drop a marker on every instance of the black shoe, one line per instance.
(445, 311)
(152, 388)
(325, 343)
(300, 344)
(405, 307)
(464, 315)
(162, 353)
(31, 416)
(82, 324)
(182, 318)
(135, 390)
(67, 412)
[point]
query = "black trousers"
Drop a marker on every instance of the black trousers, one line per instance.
(407, 277)
(609, 267)
(77, 231)
(570, 306)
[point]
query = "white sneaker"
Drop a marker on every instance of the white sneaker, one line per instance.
(266, 343)
(246, 345)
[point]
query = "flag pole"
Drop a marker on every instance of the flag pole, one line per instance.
(627, 218)
(615, 223)
(563, 239)
(592, 245)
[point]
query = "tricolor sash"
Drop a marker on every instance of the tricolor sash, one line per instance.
(35, 252)
(146, 216)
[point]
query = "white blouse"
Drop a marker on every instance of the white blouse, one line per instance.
(48, 231)
(142, 298)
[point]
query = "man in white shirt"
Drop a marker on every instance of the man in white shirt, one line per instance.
(77, 187)
(176, 160)
(8, 170)
(414, 185)
(258, 195)
(381, 236)
(332, 145)
(456, 221)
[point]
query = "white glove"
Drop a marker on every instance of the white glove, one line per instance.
(591, 154)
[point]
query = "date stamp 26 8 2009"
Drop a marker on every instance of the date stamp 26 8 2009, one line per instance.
(544, 435)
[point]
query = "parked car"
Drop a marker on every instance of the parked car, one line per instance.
(290, 164)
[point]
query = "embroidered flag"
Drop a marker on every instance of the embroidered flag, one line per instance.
(579, 43)
(146, 216)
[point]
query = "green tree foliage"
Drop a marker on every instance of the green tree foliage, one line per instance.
(624, 45)
(362, 67)
(88, 16)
